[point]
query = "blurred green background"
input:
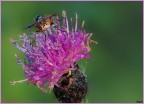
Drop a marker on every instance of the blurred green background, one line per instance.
(115, 71)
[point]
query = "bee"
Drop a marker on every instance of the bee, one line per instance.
(44, 22)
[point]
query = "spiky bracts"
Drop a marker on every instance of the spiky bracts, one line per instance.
(73, 88)
(52, 53)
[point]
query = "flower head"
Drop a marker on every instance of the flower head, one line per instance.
(52, 53)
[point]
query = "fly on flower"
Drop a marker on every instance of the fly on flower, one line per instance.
(44, 22)
(52, 60)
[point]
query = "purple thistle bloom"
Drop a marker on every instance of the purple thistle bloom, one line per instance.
(54, 54)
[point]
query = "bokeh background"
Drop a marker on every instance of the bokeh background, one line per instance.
(115, 71)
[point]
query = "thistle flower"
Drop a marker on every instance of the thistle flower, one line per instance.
(54, 55)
